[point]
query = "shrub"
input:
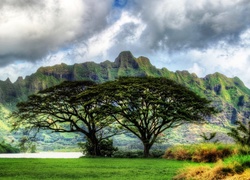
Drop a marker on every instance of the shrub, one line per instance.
(106, 148)
(244, 150)
(157, 153)
(206, 152)
(7, 148)
(178, 153)
(241, 134)
(137, 154)
(128, 154)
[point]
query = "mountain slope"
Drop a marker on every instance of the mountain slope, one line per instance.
(229, 95)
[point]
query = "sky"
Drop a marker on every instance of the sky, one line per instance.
(202, 36)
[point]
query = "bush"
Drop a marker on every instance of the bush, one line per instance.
(106, 148)
(7, 148)
(178, 153)
(128, 154)
(241, 134)
(137, 154)
(244, 150)
(157, 153)
(206, 152)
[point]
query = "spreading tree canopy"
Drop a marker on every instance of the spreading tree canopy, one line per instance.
(147, 106)
(53, 109)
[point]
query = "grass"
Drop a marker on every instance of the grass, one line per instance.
(228, 161)
(90, 168)
(232, 168)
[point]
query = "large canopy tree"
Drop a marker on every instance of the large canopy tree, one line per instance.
(147, 106)
(53, 109)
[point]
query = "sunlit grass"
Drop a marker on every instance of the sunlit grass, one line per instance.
(90, 168)
(240, 159)
(232, 168)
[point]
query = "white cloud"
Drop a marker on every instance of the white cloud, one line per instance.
(32, 31)
(197, 69)
(204, 37)
(122, 34)
(182, 24)
(17, 69)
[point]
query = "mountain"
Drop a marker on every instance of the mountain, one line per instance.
(229, 95)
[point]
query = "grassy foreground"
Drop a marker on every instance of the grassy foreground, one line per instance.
(90, 168)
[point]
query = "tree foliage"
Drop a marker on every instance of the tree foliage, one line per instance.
(148, 106)
(209, 137)
(241, 134)
(8, 148)
(53, 109)
(145, 106)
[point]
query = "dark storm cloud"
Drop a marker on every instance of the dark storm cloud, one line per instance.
(32, 29)
(21, 3)
(181, 24)
(126, 33)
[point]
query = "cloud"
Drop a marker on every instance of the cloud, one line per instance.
(182, 24)
(203, 36)
(123, 34)
(172, 26)
(31, 29)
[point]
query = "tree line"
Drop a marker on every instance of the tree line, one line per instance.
(144, 106)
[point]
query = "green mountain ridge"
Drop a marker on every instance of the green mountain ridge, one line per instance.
(229, 95)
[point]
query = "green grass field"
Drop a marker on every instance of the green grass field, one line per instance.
(90, 168)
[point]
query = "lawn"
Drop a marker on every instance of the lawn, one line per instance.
(90, 168)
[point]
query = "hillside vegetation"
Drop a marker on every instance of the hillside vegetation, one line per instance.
(229, 95)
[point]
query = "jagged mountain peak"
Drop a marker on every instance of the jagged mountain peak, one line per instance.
(215, 75)
(19, 79)
(229, 95)
(57, 67)
(126, 60)
(217, 87)
(218, 78)
(126, 54)
(8, 80)
(143, 61)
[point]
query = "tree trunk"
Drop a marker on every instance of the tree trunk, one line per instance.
(95, 145)
(147, 147)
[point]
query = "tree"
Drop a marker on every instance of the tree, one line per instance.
(209, 138)
(148, 106)
(241, 134)
(53, 109)
(23, 144)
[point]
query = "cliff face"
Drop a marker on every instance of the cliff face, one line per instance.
(229, 95)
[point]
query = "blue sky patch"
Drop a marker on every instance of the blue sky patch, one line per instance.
(120, 3)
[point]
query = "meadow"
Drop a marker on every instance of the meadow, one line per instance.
(91, 168)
